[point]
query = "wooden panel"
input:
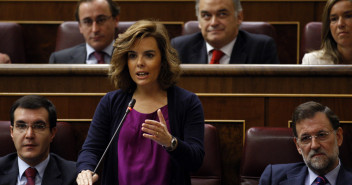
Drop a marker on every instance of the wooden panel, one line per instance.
(39, 40)
(280, 109)
(289, 79)
(231, 134)
(287, 41)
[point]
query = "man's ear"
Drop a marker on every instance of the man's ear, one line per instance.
(53, 133)
(298, 148)
(339, 136)
(117, 19)
(11, 131)
(240, 17)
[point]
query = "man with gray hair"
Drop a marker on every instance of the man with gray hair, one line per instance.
(221, 40)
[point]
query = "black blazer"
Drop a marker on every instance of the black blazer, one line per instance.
(58, 172)
(248, 49)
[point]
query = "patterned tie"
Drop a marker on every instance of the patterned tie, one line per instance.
(217, 54)
(99, 55)
(30, 175)
(321, 180)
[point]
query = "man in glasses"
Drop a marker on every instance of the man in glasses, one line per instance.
(33, 127)
(98, 20)
(318, 136)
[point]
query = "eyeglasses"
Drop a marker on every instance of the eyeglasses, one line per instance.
(100, 20)
(37, 127)
(320, 136)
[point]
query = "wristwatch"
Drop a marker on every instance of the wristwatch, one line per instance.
(173, 145)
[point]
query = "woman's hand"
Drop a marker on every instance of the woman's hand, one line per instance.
(157, 131)
(86, 177)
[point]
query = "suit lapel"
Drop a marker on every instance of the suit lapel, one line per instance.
(199, 57)
(344, 177)
(79, 56)
(238, 56)
(10, 177)
(52, 174)
(296, 176)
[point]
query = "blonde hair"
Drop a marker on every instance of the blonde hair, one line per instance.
(170, 64)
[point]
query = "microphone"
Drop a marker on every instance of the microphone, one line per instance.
(129, 108)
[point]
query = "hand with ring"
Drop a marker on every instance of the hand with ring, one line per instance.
(157, 131)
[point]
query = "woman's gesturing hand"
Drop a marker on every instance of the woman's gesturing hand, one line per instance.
(157, 131)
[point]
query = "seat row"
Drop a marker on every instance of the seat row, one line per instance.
(263, 146)
(68, 35)
(65, 144)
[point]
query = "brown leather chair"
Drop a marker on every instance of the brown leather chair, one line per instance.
(210, 171)
(311, 38)
(68, 34)
(263, 146)
(11, 41)
(252, 27)
(64, 143)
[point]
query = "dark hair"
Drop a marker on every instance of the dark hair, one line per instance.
(308, 110)
(170, 63)
(114, 8)
(35, 102)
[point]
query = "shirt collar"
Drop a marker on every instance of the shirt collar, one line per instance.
(108, 51)
(227, 50)
(331, 176)
(22, 166)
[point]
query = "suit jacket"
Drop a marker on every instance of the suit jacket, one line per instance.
(73, 55)
(248, 49)
(295, 173)
(58, 172)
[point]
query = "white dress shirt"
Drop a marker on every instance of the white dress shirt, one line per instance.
(227, 50)
(107, 57)
(331, 176)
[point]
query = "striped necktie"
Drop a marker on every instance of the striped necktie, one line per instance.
(320, 180)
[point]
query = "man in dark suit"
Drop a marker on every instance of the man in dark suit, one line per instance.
(318, 136)
(33, 127)
(219, 21)
(98, 20)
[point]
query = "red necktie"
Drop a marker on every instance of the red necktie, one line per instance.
(30, 175)
(217, 54)
(99, 55)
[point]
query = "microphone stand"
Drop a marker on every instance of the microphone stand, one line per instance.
(129, 108)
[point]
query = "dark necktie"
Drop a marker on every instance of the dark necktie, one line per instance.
(217, 54)
(321, 180)
(30, 175)
(99, 55)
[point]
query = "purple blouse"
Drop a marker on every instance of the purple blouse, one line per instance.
(142, 160)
